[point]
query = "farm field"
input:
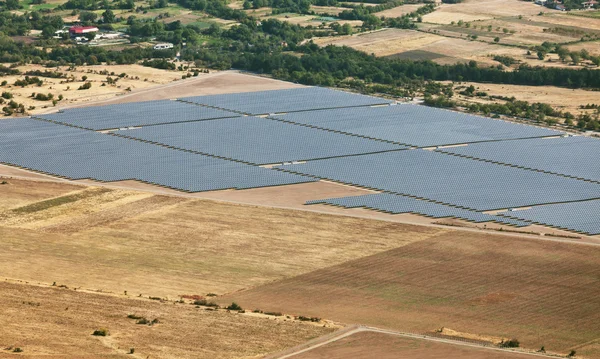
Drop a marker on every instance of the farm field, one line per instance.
(168, 246)
(543, 294)
(366, 345)
(471, 10)
(58, 323)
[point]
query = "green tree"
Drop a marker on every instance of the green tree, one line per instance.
(575, 57)
(108, 17)
(87, 17)
(541, 55)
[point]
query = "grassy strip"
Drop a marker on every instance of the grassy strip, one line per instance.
(58, 201)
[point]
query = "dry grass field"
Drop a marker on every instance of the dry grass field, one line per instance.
(367, 345)
(52, 322)
(472, 10)
(562, 99)
(116, 240)
(399, 11)
(493, 286)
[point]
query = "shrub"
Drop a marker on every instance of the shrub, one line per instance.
(133, 316)
(100, 332)
(275, 314)
(512, 343)
(18, 350)
(143, 321)
(572, 354)
(234, 306)
(3, 182)
(131, 350)
(85, 86)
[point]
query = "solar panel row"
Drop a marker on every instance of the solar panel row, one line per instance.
(449, 179)
(77, 154)
(414, 125)
(576, 216)
(258, 140)
(396, 204)
(135, 114)
(569, 156)
(289, 100)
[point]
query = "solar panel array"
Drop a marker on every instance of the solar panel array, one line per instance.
(396, 204)
(581, 217)
(135, 114)
(449, 179)
(258, 140)
(415, 125)
(290, 100)
(569, 156)
(77, 154)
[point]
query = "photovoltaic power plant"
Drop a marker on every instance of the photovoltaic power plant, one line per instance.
(135, 114)
(290, 100)
(415, 125)
(395, 204)
(258, 140)
(581, 217)
(432, 162)
(449, 179)
(77, 154)
(570, 156)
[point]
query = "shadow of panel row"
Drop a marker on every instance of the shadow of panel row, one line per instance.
(258, 140)
(135, 114)
(289, 100)
(583, 217)
(78, 154)
(415, 125)
(568, 156)
(395, 204)
(449, 179)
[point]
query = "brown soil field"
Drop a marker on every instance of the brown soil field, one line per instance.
(560, 98)
(52, 322)
(367, 345)
(471, 10)
(540, 292)
(116, 240)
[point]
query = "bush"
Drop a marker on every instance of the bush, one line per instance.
(100, 332)
(143, 321)
(572, 354)
(18, 350)
(234, 306)
(85, 86)
(133, 316)
(275, 314)
(512, 343)
(131, 350)
(7, 95)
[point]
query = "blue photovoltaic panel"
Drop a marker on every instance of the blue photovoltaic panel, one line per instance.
(290, 100)
(258, 140)
(581, 217)
(396, 204)
(569, 156)
(77, 154)
(135, 114)
(415, 125)
(450, 179)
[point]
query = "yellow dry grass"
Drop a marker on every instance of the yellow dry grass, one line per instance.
(118, 240)
(140, 77)
(399, 11)
(473, 10)
(58, 323)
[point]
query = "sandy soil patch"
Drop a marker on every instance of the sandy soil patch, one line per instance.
(58, 323)
(544, 293)
(119, 240)
(208, 84)
(366, 345)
